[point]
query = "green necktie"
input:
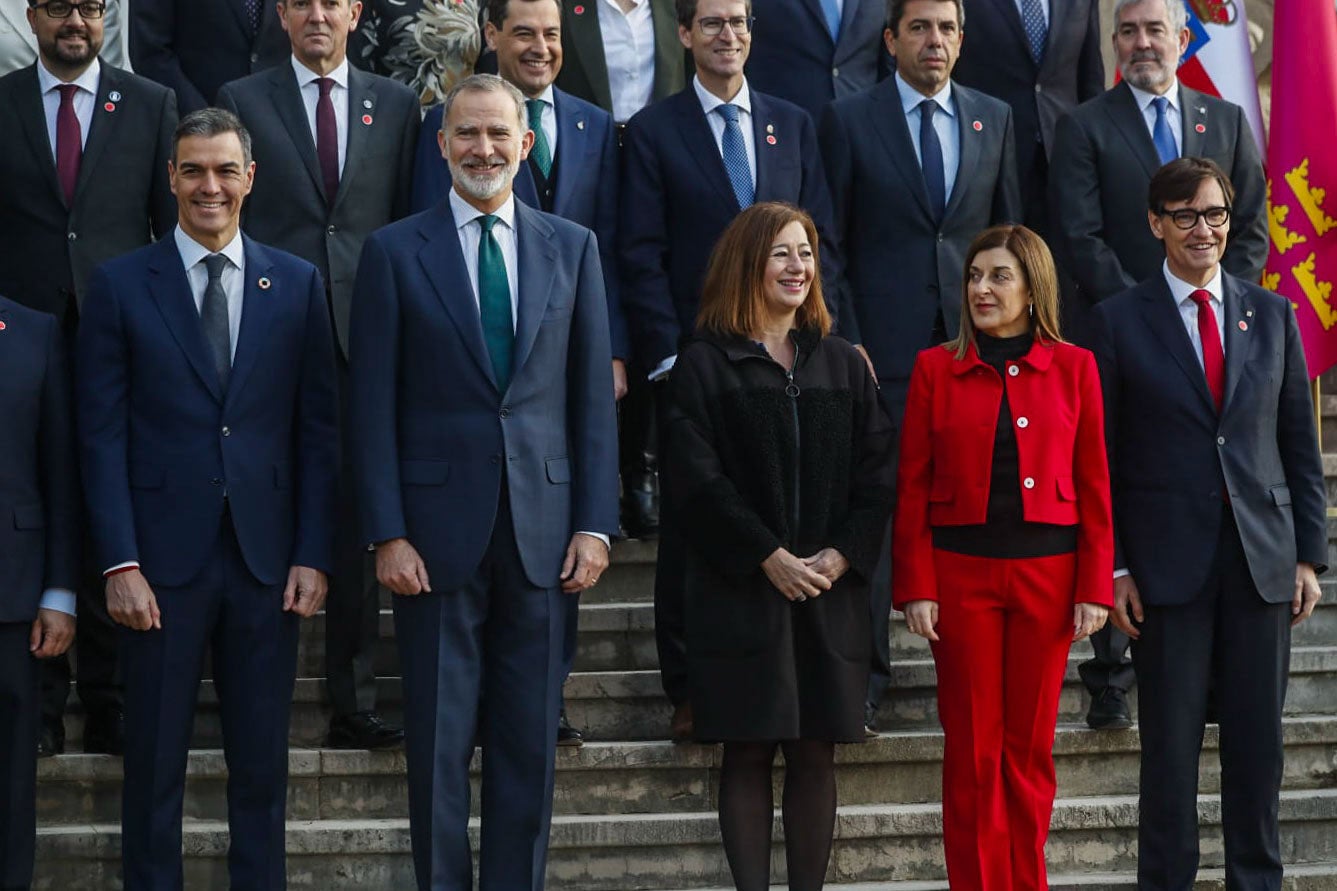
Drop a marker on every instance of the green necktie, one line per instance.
(494, 303)
(541, 154)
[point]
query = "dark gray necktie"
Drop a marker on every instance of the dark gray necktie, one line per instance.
(213, 317)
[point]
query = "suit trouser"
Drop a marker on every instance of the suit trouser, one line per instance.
(18, 765)
(1228, 636)
(254, 647)
(96, 667)
(1111, 666)
(893, 394)
(497, 639)
(1005, 627)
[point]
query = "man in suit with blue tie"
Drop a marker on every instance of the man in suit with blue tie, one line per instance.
(208, 420)
(918, 166)
(1220, 525)
(690, 164)
(485, 452)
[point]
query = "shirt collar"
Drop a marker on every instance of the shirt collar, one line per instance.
(545, 97)
(910, 97)
(1144, 98)
(192, 252)
(1181, 289)
(306, 75)
(465, 213)
(710, 102)
(88, 81)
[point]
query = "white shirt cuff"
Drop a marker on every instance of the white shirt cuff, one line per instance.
(663, 368)
(128, 564)
(58, 599)
(1120, 573)
(599, 535)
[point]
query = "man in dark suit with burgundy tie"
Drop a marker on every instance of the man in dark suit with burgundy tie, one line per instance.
(1220, 528)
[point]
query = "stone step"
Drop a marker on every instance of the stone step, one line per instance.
(651, 777)
(873, 844)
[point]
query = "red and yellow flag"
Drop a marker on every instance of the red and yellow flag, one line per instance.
(1302, 172)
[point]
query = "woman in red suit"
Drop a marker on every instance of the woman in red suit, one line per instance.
(1003, 549)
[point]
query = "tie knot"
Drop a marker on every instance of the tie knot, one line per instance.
(326, 84)
(1202, 297)
(928, 107)
(67, 92)
(729, 112)
(1161, 103)
(535, 108)
(487, 221)
(215, 263)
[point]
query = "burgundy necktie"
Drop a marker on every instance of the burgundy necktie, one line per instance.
(69, 142)
(1213, 356)
(327, 140)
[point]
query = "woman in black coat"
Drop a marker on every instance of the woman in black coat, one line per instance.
(779, 469)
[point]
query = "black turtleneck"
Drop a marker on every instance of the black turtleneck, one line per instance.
(1005, 532)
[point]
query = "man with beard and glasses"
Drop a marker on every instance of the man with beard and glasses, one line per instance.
(485, 450)
(1105, 154)
(18, 45)
(83, 158)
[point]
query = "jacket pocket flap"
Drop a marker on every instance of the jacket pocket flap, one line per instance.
(1067, 490)
(943, 489)
(1281, 495)
(559, 469)
(424, 472)
(29, 516)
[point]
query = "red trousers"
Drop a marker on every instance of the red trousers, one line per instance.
(1004, 628)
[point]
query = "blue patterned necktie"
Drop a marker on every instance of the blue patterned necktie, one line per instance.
(253, 9)
(735, 157)
(214, 318)
(1037, 29)
(494, 303)
(930, 158)
(1160, 132)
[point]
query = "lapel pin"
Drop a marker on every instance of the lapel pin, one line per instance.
(114, 96)
(579, 10)
(978, 126)
(1244, 326)
(110, 106)
(770, 128)
(264, 283)
(1202, 109)
(2, 326)
(770, 140)
(1200, 128)
(580, 125)
(366, 119)
(366, 103)
(1249, 313)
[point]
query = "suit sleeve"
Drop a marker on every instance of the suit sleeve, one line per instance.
(1007, 190)
(116, 28)
(162, 203)
(859, 538)
(605, 227)
(1247, 247)
(838, 161)
(430, 177)
(1091, 474)
(408, 148)
(317, 444)
(815, 198)
(914, 576)
(58, 461)
(1091, 64)
(1297, 443)
(1107, 367)
(152, 28)
(1075, 202)
(591, 415)
(102, 382)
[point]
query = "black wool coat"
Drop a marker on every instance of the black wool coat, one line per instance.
(758, 459)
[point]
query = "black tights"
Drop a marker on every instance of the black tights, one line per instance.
(809, 810)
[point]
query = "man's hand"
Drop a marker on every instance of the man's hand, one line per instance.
(863, 352)
(399, 568)
(828, 562)
(52, 633)
(793, 577)
(586, 560)
(921, 617)
(1087, 619)
(305, 591)
(1307, 593)
(619, 379)
(1127, 602)
(130, 601)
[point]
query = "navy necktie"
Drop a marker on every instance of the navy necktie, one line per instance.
(253, 10)
(735, 157)
(930, 153)
(214, 318)
(1037, 30)
(1160, 132)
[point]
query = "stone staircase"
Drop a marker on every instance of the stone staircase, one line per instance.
(635, 812)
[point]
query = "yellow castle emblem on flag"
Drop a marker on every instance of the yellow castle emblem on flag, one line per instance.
(1305, 273)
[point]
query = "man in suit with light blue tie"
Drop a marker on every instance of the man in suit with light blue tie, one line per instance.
(208, 434)
(486, 457)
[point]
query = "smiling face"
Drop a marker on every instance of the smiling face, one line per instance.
(483, 141)
(1000, 299)
(719, 59)
(210, 179)
(528, 44)
(790, 267)
(926, 44)
(1147, 47)
(319, 29)
(69, 45)
(1193, 254)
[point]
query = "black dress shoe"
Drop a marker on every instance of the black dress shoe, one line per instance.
(1109, 711)
(869, 720)
(566, 734)
(640, 502)
(51, 740)
(363, 730)
(104, 733)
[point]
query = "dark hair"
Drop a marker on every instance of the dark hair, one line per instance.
(896, 11)
(732, 295)
(495, 11)
(687, 11)
(1179, 181)
(1037, 268)
(209, 122)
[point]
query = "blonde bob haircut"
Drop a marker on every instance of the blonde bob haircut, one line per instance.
(1037, 269)
(733, 297)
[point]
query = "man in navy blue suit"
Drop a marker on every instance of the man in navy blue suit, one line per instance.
(690, 164)
(207, 411)
(39, 556)
(485, 451)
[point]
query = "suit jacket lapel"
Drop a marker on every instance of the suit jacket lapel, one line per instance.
(1238, 308)
(1128, 120)
(257, 309)
(1057, 10)
(1011, 15)
(1193, 113)
(33, 116)
(238, 8)
(99, 130)
(360, 92)
(582, 29)
(969, 140)
(849, 10)
(818, 28)
(1163, 318)
(761, 119)
(535, 254)
(891, 126)
(701, 146)
(171, 291)
(443, 264)
(667, 46)
(287, 99)
(572, 141)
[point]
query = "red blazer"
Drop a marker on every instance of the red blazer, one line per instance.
(946, 458)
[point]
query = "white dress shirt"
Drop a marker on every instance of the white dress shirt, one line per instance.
(548, 117)
(84, 100)
(310, 90)
(944, 124)
(233, 278)
(1174, 113)
(1188, 310)
(742, 99)
(629, 55)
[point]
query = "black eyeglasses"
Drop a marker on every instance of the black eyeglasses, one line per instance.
(739, 24)
(1187, 217)
(61, 9)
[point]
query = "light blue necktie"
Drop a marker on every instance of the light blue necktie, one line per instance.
(1160, 132)
(735, 157)
(1037, 30)
(831, 11)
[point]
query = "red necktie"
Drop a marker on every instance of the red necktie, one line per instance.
(1213, 356)
(69, 142)
(327, 140)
